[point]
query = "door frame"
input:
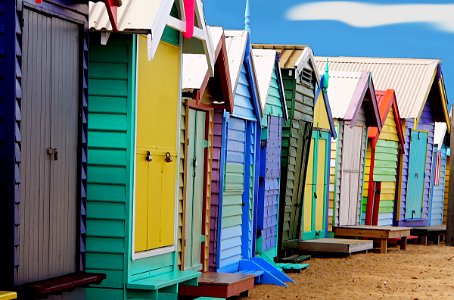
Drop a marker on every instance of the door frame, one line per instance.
(424, 182)
(196, 105)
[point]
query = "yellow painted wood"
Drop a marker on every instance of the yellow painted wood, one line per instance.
(308, 190)
(8, 295)
(320, 187)
(157, 118)
(321, 119)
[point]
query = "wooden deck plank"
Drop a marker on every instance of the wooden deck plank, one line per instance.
(219, 285)
(372, 231)
(336, 245)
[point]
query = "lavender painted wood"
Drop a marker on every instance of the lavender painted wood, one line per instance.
(215, 182)
(426, 123)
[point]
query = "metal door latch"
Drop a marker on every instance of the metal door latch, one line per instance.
(148, 157)
(169, 157)
(53, 152)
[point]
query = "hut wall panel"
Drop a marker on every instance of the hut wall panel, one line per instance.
(109, 160)
(366, 182)
(335, 177)
(182, 180)
(209, 175)
(215, 184)
(234, 185)
(438, 193)
(445, 206)
(300, 98)
(426, 123)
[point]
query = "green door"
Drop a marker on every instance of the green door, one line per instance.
(195, 160)
(416, 172)
(315, 191)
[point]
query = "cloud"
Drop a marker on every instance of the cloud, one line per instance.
(359, 14)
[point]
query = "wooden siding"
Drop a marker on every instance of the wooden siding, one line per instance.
(268, 211)
(110, 158)
(215, 187)
(438, 192)
(49, 205)
(426, 123)
(385, 171)
(296, 134)
(445, 205)
(335, 171)
(234, 184)
(182, 179)
(273, 105)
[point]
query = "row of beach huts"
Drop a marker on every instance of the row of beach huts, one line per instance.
(146, 155)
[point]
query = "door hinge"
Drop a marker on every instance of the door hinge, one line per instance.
(202, 238)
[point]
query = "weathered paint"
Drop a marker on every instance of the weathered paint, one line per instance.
(12, 87)
(438, 190)
(296, 134)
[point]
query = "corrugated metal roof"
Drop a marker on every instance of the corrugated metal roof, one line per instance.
(236, 41)
(342, 86)
(133, 15)
(439, 133)
(195, 66)
(264, 61)
(410, 78)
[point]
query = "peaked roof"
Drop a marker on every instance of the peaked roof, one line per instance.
(150, 17)
(239, 52)
(386, 100)
(347, 91)
(292, 56)
(410, 78)
(195, 69)
(265, 63)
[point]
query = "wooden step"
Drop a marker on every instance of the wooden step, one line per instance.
(164, 280)
(333, 245)
(292, 268)
(219, 285)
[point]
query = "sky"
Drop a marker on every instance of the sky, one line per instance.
(403, 28)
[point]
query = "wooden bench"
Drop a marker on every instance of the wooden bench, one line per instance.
(437, 233)
(380, 233)
(58, 285)
(219, 285)
(8, 295)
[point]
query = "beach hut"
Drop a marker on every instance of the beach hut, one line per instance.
(421, 97)
(354, 108)
(271, 92)
(300, 76)
(239, 155)
(439, 169)
(133, 139)
(314, 224)
(381, 177)
(43, 117)
(203, 97)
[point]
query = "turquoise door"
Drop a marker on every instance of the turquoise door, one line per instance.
(315, 191)
(195, 160)
(416, 172)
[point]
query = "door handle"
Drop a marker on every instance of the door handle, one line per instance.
(315, 195)
(417, 175)
(53, 152)
(168, 158)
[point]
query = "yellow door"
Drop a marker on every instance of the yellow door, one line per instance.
(156, 146)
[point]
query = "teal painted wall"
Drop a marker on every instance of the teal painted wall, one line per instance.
(273, 105)
(110, 163)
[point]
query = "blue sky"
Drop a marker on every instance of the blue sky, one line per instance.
(269, 24)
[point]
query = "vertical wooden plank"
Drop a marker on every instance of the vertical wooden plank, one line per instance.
(64, 137)
(320, 185)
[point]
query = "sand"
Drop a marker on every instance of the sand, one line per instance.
(420, 272)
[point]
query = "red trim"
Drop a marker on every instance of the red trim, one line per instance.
(189, 11)
(112, 12)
